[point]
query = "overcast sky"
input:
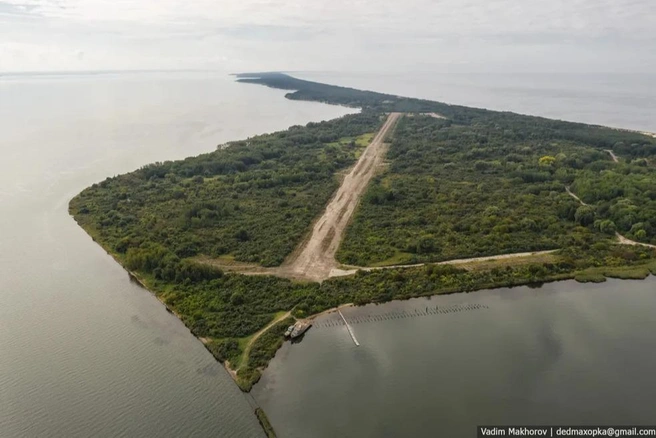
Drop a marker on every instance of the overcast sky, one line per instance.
(329, 35)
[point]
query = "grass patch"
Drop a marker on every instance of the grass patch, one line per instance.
(631, 272)
(400, 258)
(364, 139)
(652, 268)
(236, 362)
(628, 272)
(589, 277)
(262, 351)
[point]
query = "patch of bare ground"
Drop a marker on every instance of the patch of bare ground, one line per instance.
(624, 241)
(315, 258)
(434, 115)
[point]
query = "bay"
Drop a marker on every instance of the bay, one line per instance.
(565, 353)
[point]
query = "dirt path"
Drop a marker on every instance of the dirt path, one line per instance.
(473, 260)
(621, 239)
(612, 155)
(315, 258)
(624, 241)
(247, 350)
(569, 192)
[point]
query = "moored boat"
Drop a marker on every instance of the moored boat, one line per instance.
(299, 328)
(289, 331)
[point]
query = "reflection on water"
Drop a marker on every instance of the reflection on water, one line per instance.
(565, 353)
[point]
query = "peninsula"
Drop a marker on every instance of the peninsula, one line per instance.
(407, 198)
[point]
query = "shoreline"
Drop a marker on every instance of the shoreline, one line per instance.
(593, 274)
(590, 274)
(612, 272)
(352, 270)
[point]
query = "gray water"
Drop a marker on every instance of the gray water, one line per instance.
(619, 100)
(566, 353)
(83, 351)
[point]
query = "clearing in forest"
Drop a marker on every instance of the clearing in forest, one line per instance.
(314, 259)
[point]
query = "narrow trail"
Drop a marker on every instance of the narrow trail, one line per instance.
(624, 241)
(620, 239)
(247, 349)
(569, 192)
(315, 258)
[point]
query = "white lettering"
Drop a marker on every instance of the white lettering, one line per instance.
(524, 431)
(493, 432)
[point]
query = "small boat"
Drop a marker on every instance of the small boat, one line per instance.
(289, 331)
(299, 328)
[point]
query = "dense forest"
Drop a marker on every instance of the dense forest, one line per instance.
(477, 182)
(453, 191)
(250, 199)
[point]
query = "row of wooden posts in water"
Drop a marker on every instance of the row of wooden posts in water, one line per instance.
(437, 310)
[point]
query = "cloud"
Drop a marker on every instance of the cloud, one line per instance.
(328, 33)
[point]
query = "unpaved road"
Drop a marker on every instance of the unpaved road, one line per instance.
(473, 260)
(315, 258)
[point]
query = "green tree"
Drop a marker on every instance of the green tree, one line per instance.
(584, 215)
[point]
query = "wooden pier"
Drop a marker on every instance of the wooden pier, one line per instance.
(348, 327)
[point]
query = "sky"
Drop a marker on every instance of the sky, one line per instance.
(329, 35)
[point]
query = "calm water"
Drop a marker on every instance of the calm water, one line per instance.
(566, 353)
(84, 352)
(618, 100)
